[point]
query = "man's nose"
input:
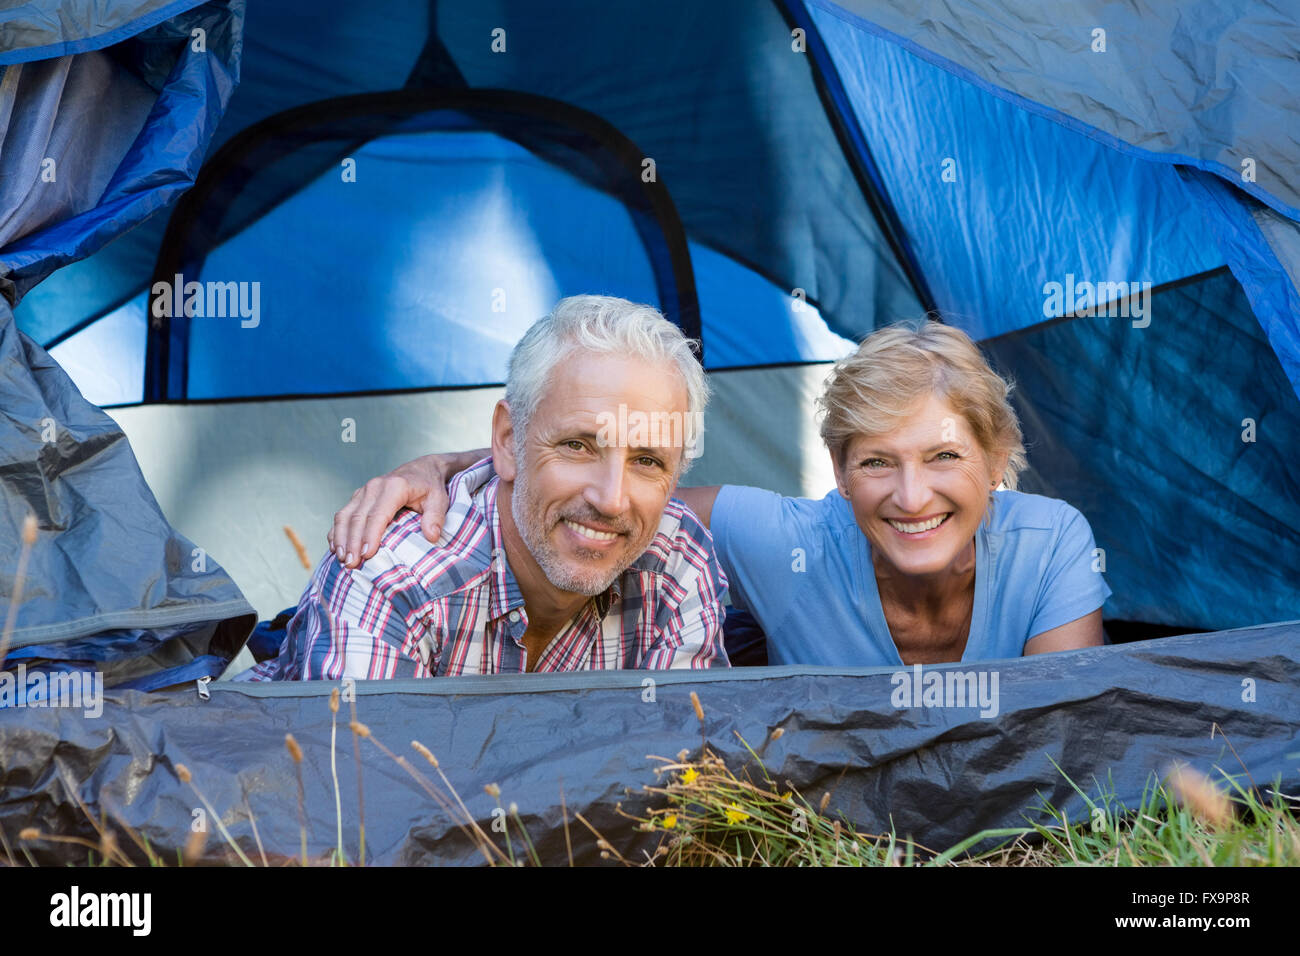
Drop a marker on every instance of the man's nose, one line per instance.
(607, 490)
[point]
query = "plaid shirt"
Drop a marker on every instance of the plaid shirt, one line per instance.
(417, 609)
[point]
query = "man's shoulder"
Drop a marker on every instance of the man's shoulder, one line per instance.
(682, 544)
(461, 556)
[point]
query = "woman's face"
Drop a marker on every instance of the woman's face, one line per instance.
(919, 492)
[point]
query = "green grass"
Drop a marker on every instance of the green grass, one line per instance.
(709, 815)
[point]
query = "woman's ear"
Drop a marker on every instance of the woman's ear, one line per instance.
(503, 442)
(999, 468)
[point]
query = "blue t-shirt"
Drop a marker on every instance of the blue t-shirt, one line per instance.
(803, 569)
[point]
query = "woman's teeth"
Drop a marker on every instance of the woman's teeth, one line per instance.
(919, 526)
(591, 532)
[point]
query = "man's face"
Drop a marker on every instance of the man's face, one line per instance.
(588, 494)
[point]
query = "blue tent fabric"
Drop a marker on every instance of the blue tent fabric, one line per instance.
(1144, 430)
(105, 561)
(189, 91)
(1239, 126)
(812, 194)
(763, 149)
(1206, 83)
(1263, 250)
(105, 558)
(276, 46)
(765, 134)
(1078, 207)
(28, 32)
(471, 214)
(1109, 720)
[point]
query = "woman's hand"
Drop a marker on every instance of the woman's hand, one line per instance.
(420, 485)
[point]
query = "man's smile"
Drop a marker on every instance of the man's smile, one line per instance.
(590, 533)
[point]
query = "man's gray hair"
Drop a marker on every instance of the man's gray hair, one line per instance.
(611, 326)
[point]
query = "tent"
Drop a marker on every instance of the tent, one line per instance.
(251, 257)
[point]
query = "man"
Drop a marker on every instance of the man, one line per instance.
(563, 550)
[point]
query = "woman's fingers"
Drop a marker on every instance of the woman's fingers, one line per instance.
(428, 478)
(419, 485)
(360, 524)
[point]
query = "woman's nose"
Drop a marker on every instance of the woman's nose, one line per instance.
(911, 491)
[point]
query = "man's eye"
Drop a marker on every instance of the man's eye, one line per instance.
(648, 461)
(952, 456)
(575, 445)
(874, 463)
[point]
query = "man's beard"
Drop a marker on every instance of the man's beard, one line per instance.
(528, 519)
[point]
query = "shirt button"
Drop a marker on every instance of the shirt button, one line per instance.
(514, 616)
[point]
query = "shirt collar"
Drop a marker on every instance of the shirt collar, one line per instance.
(477, 488)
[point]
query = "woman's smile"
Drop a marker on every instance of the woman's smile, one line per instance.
(918, 528)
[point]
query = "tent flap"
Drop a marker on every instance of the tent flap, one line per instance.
(105, 557)
(68, 187)
(1109, 717)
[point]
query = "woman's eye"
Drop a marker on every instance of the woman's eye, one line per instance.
(574, 445)
(951, 456)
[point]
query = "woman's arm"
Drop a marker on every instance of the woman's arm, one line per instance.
(1085, 631)
(421, 485)
(700, 500)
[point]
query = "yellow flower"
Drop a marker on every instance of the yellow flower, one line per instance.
(670, 821)
(786, 796)
(735, 814)
(689, 775)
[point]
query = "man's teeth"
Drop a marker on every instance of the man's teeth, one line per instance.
(590, 532)
(919, 526)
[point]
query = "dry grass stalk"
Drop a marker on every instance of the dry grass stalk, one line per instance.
(1205, 802)
(469, 817)
(295, 752)
(257, 837)
(29, 534)
(425, 752)
(361, 794)
(334, 773)
(468, 825)
(194, 846)
(298, 546)
(183, 773)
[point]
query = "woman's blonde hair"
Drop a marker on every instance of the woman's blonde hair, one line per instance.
(871, 391)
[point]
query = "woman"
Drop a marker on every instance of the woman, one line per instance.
(924, 552)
